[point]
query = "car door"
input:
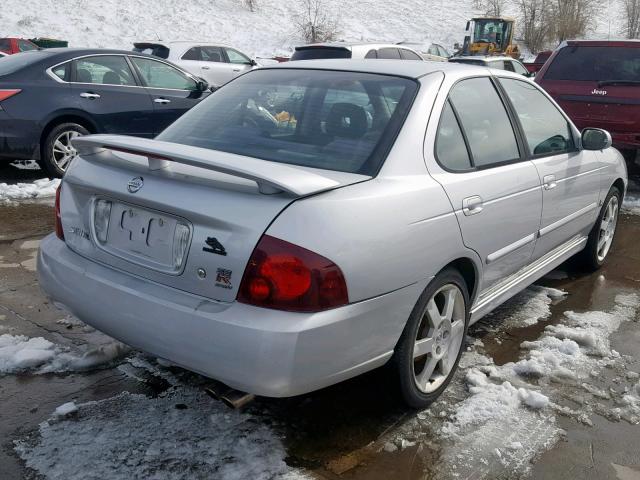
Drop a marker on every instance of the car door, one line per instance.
(173, 91)
(570, 177)
(208, 62)
(105, 87)
(493, 188)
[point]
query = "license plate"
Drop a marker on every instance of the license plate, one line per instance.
(143, 236)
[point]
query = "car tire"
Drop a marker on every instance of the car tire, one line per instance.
(603, 232)
(57, 151)
(431, 344)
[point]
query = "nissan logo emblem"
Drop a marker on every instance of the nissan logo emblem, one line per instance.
(135, 184)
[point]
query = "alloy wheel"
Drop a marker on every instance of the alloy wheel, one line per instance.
(62, 150)
(439, 338)
(607, 228)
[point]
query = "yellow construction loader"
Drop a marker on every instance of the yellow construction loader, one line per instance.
(490, 36)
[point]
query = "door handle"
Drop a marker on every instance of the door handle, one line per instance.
(206, 67)
(161, 100)
(549, 182)
(236, 69)
(472, 205)
(89, 95)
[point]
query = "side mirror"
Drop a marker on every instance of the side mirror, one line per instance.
(595, 139)
(202, 85)
(253, 63)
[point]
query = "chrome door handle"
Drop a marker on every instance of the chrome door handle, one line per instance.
(472, 205)
(161, 100)
(549, 182)
(90, 95)
(236, 69)
(205, 67)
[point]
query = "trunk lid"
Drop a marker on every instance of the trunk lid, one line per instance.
(164, 195)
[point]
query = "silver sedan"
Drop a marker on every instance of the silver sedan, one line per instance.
(313, 221)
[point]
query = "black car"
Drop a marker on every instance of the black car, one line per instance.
(49, 96)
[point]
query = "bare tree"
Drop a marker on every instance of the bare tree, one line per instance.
(315, 22)
(571, 18)
(632, 12)
(250, 4)
(494, 8)
(535, 23)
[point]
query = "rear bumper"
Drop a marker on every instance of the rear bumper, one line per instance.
(262, 351)
(19, 139)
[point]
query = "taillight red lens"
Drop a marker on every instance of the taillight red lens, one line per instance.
(8, 92)
(59, 231)
(284, 276)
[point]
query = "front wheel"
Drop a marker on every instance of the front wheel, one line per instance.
(603, 232)
(431, 344)
(58, 152)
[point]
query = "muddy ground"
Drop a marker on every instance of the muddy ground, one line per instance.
(354, 430)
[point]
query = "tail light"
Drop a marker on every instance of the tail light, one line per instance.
(8, 92)
(284, 276)
(59, 231)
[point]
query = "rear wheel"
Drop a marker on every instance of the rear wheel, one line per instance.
(431, 344)
(603, 232)
(58, 151)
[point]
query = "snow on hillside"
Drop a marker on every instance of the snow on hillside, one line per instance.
(270, 29)
(267, 31)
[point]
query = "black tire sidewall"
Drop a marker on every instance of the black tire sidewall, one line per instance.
(403, 355)
(46, 155)
(590, 255)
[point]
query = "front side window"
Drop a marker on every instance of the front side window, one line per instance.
(104, 69)
(341, 121)
(519, 68)
(212, 54)
(545, 128)
(451, 150)
(443, 51)
(409, 55)
(497, 64)
(5, 45)
(237, 57)
(371, 54)
(485, 122)
(160, 75)
(433, 50)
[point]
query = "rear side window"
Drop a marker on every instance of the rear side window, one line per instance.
(192, 54)
(389, 53)
(545, 128)
(104, 69)
(485, 122)
(451, 150)
(371, 54)
(595, 64)
(317, 53)
(341, 121)
(498, 64)
(63, 72)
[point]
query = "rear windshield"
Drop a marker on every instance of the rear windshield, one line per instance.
(596, 64)
(342, 121)
(13, 63)
(155, 50)
(318, 53)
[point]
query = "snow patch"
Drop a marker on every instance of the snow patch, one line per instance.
(65, 410)
(40, 188)
(19, 353)
(529, 307)
(133, 436)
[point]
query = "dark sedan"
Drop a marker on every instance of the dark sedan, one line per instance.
(49, 96)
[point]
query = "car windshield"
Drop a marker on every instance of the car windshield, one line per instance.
(318, 53)
(15, 62)
(342, 121)
(595, 64)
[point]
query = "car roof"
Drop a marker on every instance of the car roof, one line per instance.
(602, 43)
(351, 45)
(486, 58)
(180, 43)
(402, 68)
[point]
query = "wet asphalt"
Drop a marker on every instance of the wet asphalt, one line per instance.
(337, 432)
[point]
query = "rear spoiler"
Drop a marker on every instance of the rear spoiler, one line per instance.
(271, 177)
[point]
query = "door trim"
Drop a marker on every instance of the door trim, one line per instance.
(504, 251)
(567, 219)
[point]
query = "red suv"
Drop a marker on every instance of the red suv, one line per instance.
(598, 84)
(16, 45)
